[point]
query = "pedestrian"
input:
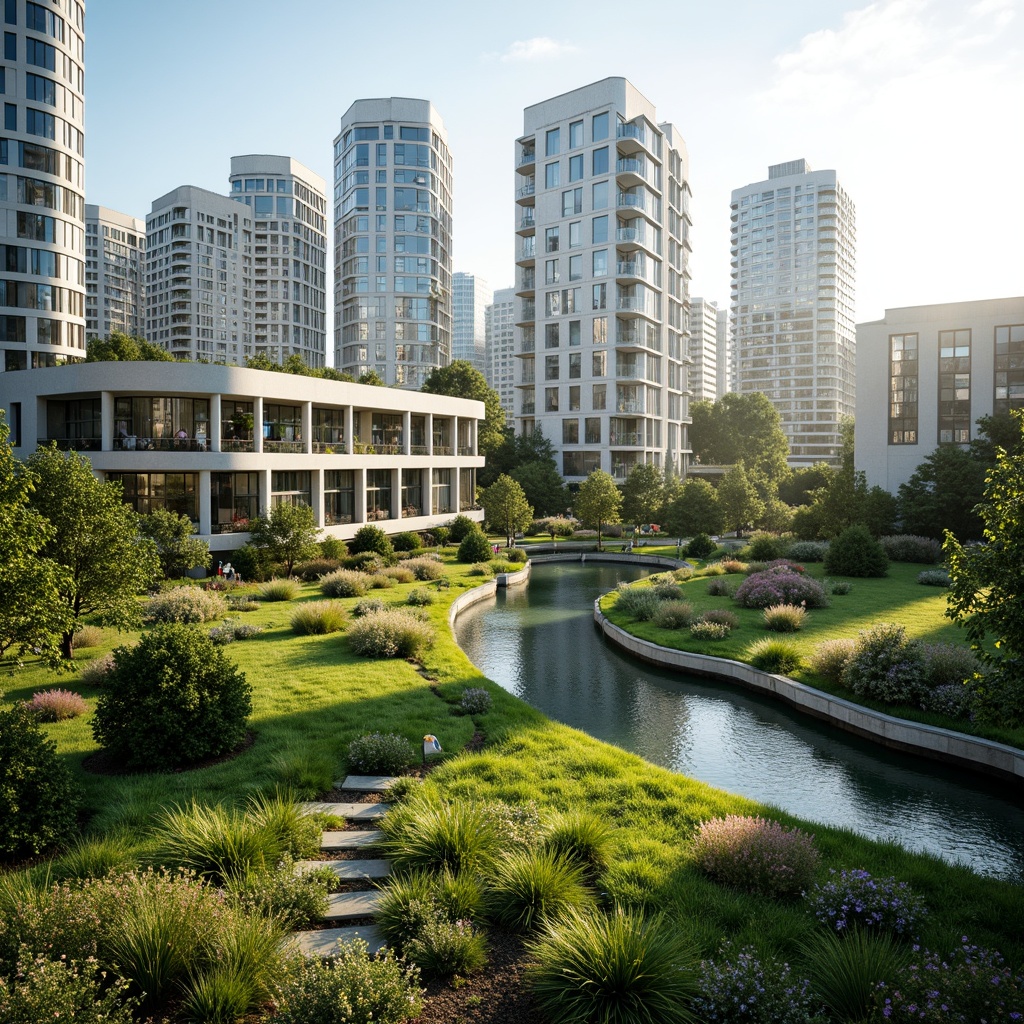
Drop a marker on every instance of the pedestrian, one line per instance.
(220, 568)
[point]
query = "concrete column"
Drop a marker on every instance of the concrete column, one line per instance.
(257, 427)
(349, 429)
(430, 433)
(316, 486)
(396, 492)
(106, 421)
(455, 435)
(215, 425)
(265, 485)
(307, 428)
(205, 504)
(406, 431)
(428, 492)
(359, 511)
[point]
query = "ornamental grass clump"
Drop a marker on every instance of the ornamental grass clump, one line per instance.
(278, 590)
(408, 900)
(379, 581)
(185, 604)
(87, 636)
(784, 618)
(639, 603)
(702, 629)
(887, 666)
(855, 899)
(934, 578)
(398, 573)
(528, 887)
(720, 587)
(769, 655)
(425, 834)
(830, 658)
(389, 634)
(310, 572)
(581, 837)
(780, 584)
(345, 583)
(379, 753)
(756, 855)
(481, 569)
(231, 631)
(674, 615)
(425, 569)
(95, 672)
(57, 705)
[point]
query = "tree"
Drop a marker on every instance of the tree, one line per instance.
(695, 510)
(506, 508)
(517, 450)
(177, 547)
(741, 504)
(1003, 430)
(985, 591)
(120, 347)
(544, 487)
(797, 489)
(373, 379)
(740, 428)
(32, 615)
(942, 494)
(598, 502)
(330, 373)
(643, 494)
(96, 538)
(288, 533)
(461, 379)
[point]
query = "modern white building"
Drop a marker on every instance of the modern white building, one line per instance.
(793, 276)
(288, 207)
(470, 297)
(703, 349)
(926, 374)
(500, 332)
(392, 241)
(115, 273)
(199, 276)
(252, 440)
(42, 294)
(725, 375)
(602, 250)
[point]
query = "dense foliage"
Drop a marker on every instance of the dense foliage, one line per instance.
(856, 553)
(287, 533)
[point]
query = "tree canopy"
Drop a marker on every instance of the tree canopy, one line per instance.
(461, 379)
(506, 508)
(598, 502)
(942, 494)
(544, 487)
(740, 428)
(741, 504)
(643, 494)
(287, 533)
(178, 548)
(125, 348)
(695, 509)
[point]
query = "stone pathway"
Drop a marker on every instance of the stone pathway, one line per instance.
(356, 904)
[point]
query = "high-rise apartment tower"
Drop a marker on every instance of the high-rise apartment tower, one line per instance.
(726, 369)
(115, 273)
(500, 320)
(703, 349)
(470, 297)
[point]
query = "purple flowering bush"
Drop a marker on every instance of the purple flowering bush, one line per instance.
(953, 699)
(855, 898)
(756, 854)
(781, 584)
(971, 984)
(57, 705)
(886, 665)
(739, 987)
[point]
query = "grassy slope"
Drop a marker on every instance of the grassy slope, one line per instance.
(312, 698)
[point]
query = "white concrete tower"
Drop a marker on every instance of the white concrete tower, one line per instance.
(115, 273)
(470, 297)
(703, 349)
(500, 319)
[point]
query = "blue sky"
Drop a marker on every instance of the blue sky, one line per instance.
(918, 105)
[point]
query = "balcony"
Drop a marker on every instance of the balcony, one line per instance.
(528, 409)
(631, 170)
(632, 201)
(631, 268)
(626, 439)
(630, 405)
(527, 223)
(528, 253)
(631, 138)
(527, 158)
(528, 313)
(525, 193)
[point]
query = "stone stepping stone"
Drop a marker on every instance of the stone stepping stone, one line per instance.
(350, 840)
(353, 812)
(325, 943)
(346, 905)
(349, 870)
(366, 783)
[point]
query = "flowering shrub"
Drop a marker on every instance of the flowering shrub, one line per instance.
(946, 664)
(953, 699)
(775, 563)
(704, 630)
(720, 587)
(476, 701)
(808, 550)
(784, 618)
(674, 615)
(95, 673)
(371, 604)
(389, 634)
(774, 656)
(723, 615)
(971, 984)
(886, 665)
(739, 987)
(57, 705)
(379, 754)
(933, 578)
(906, 547)
(515, 825)
(344, 583)
(855, 898)
(780, 584)
(830, 658)
(186, 604)
(756, 855)
(443, 947)
(425, 569)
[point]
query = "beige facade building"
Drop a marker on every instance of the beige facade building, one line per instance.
(115, 273)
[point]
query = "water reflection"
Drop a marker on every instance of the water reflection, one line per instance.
(539, 642)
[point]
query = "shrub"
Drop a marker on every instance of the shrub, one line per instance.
(621, 967)
(764, 547)
(854, 899)
(231, 631)
(278, 590)
(38, 796)
(333, 548)
(561, 526)
(57, 705)
(379, 754)
(780, 585)
(186, 604)
(704, 630)
(711, 569)
(399, 573)
(528, 887)
(808, 550)
(441, 535)
(460, 528)
(949, 664)
(517, 556)
(296, 899)
(310, 572)
(344, 583)
(368, 562)
(906, 547)
(251, 563)
(442, 948)
(934, 578)
(419, 597)
(700, 547)
(732, 565)
(756, 855)
(664, 591)
(739, 988)
(774, 656)
(426, 569)
(87, 636)
(856, 553)
(720, 587)
(352, 986)
(427, 835)
(784, 618)
(389, 634)
(407, 541)
(581, 837)
(242, 603)
(371, 604)
(722, 615)
(886, 665)
(481, 569)
(830, 658)
(171, 700)
(476, 701)
(412, 898)
(673, 615)
(372, 540)
(952, 699)
(838, 587)
(317, 618)
(499, 565)
(640, 603)
(95, 672)
(474, 547)
(379, 581)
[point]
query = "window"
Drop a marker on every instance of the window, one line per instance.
(903, 384)
(551, 240)
(600, 263)
(378, 494)
(599, 365)
(575, 239)
(600, 296)
(592, 429)
(572, 202)
(599, 127)
(1009, 366)
(289, 487)
(574, 333)
(552, 177)
(600, 332)
(551, 142)
(575, 365)
(551, 338)
(11, 117)
(954, 387)
(599, 397)
(553, 303)
(576, 167)
(599, 232)
(10, 46)
(600, 161)
(575, 134)
(576, 268)
(599, 195)
(571, 431)
(574, 398)
(551, 399)
(551, 271)
(551, 367)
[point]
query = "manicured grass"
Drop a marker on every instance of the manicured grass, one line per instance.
(897, 598)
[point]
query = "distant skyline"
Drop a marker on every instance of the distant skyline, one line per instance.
(915, 103)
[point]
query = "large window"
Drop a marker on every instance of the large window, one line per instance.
(147, 492)
(552, 176)
(412, 493)
(339, 496)
(954, 387)
(1009, 366)
(467, 489)
(571, 431)
(282, 423)
(234, 500)
(551, 142)
(290, 487)
(580, 463)
(903, 384)
(442, 487)
(378, 494)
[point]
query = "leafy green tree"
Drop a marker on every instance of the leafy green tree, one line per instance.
(373, 378)
(517, 450)
(506, 508)
(544, 487)
(740, 428)
(461, 379)
(177, 547)
(295, 364)
(120, 347)
(942, 494)
(985, 591)
(695, 510)
(798, 487)
(741, 504)
(856, 553)
(598, 503)
(643, 494)
(261, 361)
(95, 537)
(288, 533)
(776, 516)
(330, 373)
(1004, 431)
(474, 547)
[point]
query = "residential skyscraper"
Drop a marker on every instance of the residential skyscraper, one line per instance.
(500, 330)
(392, 256)
(288, 205)
(42, 296)
(199, 276)
(115, 273)
(470, 297)
(703, 349)
(726, 369)
(793, 276)
(602, 248)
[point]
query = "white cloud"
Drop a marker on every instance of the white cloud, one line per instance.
(532, 51)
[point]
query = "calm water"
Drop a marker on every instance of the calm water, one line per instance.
(539, 642)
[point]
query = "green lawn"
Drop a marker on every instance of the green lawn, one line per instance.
(312, 697)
